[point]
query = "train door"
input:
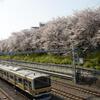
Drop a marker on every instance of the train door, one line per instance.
(26, 85)
(7, 76)
(15, 79)
(30, 87)
(11, 78)
(1, 73)
(4, 75)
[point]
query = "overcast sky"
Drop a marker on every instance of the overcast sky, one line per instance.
(16, 15)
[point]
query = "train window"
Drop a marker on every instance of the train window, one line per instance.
(5, 73)
(27, 83)
(15, 78)
(20, 80)
(30, 85)
(11, 76)
(0, 72)
(42, 82)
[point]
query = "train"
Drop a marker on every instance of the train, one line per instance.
(85, 77)
(37, 84)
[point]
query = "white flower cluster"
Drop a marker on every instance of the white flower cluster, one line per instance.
(83, 27)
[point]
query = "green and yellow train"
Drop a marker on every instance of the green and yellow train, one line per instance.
(36, 84)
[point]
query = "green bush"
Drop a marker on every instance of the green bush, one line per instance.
(97, 67)
(41, 58)
(88, 64)
(92, 60)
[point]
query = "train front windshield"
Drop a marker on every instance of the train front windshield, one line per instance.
(42, 82)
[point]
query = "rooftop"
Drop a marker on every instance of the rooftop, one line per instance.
(21, 71)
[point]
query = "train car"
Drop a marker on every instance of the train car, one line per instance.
(85, 77)
(36, 84)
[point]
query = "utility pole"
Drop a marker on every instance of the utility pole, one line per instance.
(74, 65)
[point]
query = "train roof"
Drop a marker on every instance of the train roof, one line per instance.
(22, 72)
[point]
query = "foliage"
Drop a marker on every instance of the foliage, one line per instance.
(83, 28)
(41, 58)
(93, 60)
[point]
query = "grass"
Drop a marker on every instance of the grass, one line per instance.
(92, 60)
(41, 58)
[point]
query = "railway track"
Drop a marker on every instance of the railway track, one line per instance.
(78, 88)
(61, 92)
(52, 73)
(60, 66)
(4, 95)
(65, 71)
(10, 92)
(66, 96)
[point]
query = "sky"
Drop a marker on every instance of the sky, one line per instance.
(16, 15)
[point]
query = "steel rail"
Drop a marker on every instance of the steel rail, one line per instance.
(52, 73)
(4, 93)
(65, 95)
(85, 90)
(67, 76)
(56, 65)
